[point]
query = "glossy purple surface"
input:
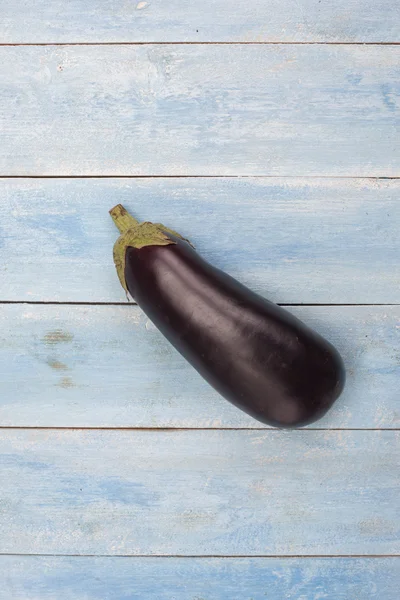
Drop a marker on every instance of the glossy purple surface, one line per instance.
(254, 353)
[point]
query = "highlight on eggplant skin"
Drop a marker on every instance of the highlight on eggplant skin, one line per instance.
(253, 352)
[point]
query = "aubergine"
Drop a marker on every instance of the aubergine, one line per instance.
(253, 352)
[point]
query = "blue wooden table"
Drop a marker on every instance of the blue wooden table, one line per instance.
(267, 133)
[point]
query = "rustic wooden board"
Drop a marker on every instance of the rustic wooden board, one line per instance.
(199, 492)
(292, 240)
(108, 366)
(240, 514)
(206, 21)
(132, 578)
(200, 110)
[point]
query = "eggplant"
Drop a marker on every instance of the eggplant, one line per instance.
(253, 352)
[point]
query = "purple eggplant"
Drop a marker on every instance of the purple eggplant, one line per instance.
(253, 352)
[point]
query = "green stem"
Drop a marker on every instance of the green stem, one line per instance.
(122, 218)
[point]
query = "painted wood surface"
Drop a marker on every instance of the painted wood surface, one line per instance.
(292, 240)
(199, 492)
(205, 21)
(200, 110)
(196, 494)
(111, 578)
(108, 366)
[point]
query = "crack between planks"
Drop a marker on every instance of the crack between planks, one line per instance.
(203, 556)
(252, 176)
(174, 429)
(283, 304)
(198, 43)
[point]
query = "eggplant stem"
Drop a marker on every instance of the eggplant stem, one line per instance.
(122, 219)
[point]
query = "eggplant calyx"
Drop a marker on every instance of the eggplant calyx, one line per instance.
(136, 235)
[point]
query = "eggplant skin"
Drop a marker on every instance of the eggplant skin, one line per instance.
(254, 353)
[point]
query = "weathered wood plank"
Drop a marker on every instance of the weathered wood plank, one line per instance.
(206, 21)
(108, 366)
(200, 110)
(199, 492)
(292, 240)
(116, 578)
(73, 366)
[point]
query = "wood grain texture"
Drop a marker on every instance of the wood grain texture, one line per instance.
(199, 492)
(205, 21)
(292, 240)
(200, 110)
(108, 366)
(111, 578)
